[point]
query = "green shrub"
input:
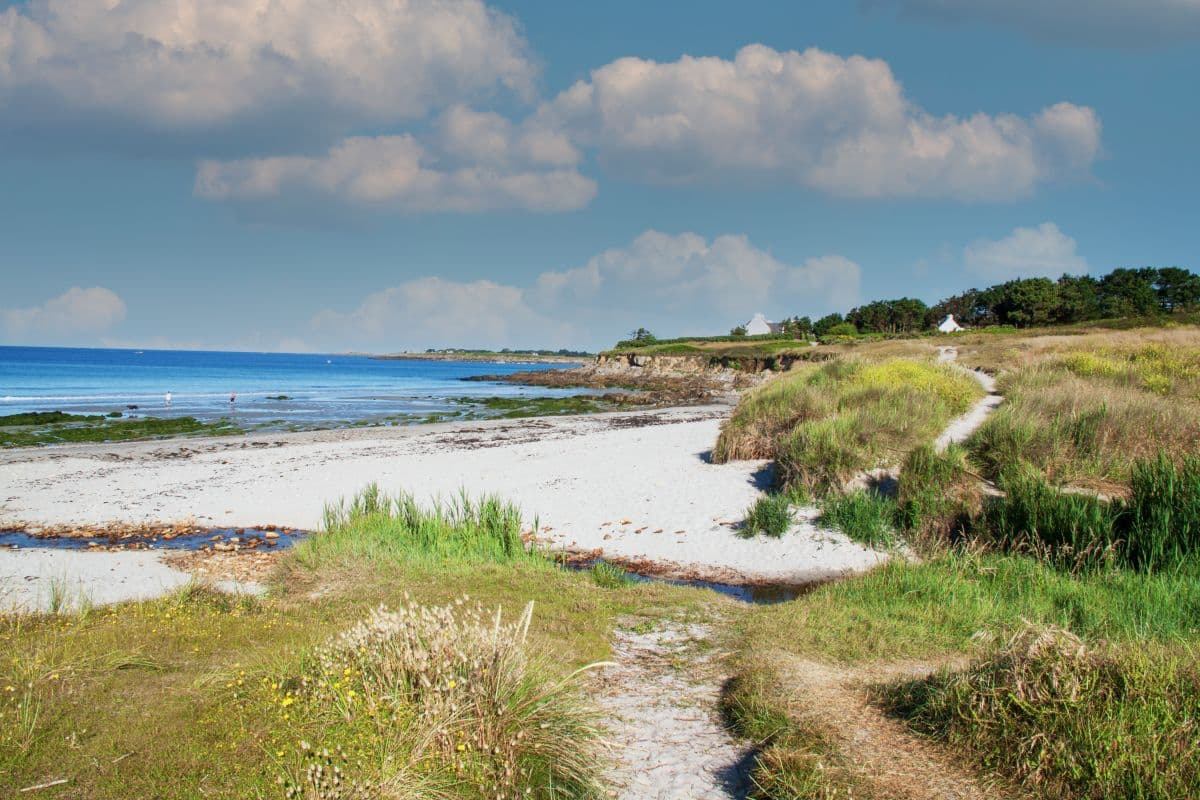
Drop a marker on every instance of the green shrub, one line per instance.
(771, 515)
(866, 517)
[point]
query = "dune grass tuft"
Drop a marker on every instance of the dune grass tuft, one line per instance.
(866, 517)
(376, 526)
(771, 515)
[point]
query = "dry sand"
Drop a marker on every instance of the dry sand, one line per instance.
(634, 485)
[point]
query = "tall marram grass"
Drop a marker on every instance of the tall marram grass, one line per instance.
(1156, 528)
(460, 700)
(1083, 428)
(1067, 719)
(379, 526)
(823, 424)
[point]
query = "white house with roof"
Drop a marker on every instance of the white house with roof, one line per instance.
(950, 325)
(759, 326)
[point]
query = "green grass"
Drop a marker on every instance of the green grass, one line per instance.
(938, 496)
(771, 515)
(101, 429)
(866, 517)
(609, 576)
(1157, 528)
(823, 424)
(380, 527)
(1067, 719)
(913, 610)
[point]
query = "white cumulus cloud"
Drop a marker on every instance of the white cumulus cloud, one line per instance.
(1113, 23)
(475, 161)
(1041, 252)
(282, 65)
(839, 124)
(73, 316)
(675, 284)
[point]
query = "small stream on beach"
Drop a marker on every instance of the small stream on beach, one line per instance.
(276, 538)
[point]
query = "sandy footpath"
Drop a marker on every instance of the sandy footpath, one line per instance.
(634, 484)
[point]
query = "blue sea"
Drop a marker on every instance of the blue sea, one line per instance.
(322, 390)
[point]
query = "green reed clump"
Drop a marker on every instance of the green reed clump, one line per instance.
(1157, 528)
(938, 495)
(1069, 720)
(866, 517)
(609, 576)
(1066, 528)
(1162, 527)
(377, 525)
(771, 515)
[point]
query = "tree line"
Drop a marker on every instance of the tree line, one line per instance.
(1022, 303)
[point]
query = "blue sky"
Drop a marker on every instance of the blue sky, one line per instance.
(243, 175)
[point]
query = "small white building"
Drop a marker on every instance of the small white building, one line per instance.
(759, 326)
(950, 325)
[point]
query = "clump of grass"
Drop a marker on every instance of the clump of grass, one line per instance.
(609, 576)
(771, 515)
(1162, 527)
(396, 528)
(459, 690)
(823, 424)
(1067, 719)
(937, 497)
(796, 760)
(1083, 429)
(1157, 528)
(866, 517)
(1068, 529)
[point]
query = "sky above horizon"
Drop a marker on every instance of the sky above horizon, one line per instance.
(382, 175)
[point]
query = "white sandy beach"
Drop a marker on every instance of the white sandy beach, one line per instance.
(635, 485)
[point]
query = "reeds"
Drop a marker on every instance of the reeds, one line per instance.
(771, 515)
(376, 525)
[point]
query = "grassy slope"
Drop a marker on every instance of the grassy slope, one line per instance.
(823, 424)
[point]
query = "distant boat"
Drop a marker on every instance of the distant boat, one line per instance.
(327, 361)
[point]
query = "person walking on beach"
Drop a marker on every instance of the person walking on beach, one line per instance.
(232, 398)
(168, 399)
